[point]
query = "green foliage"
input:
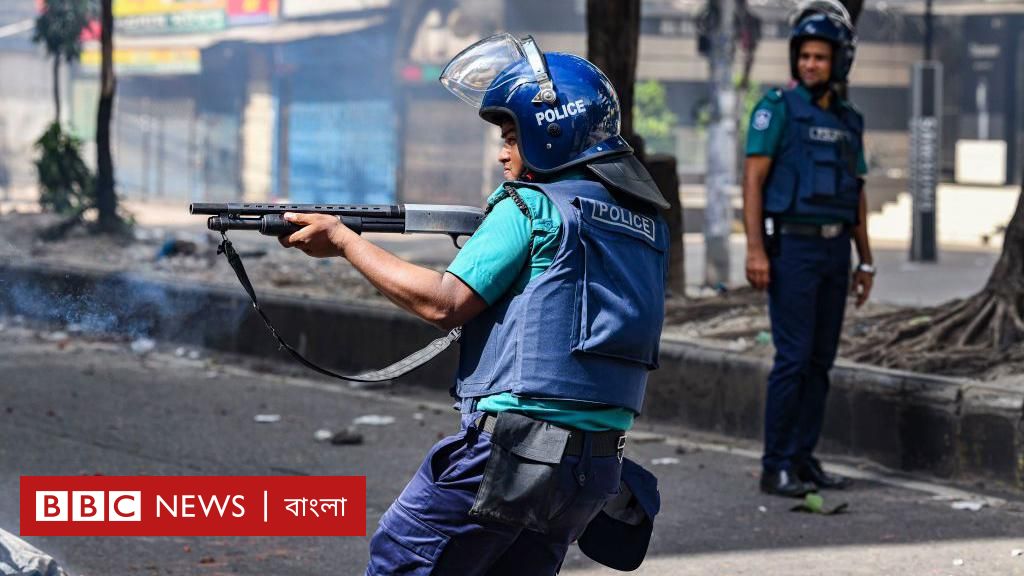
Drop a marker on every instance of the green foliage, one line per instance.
(66, 184)
(652, 118)
(59, 27)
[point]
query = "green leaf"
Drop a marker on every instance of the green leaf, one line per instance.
(814, 502)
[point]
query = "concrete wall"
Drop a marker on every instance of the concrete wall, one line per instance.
(26, 95)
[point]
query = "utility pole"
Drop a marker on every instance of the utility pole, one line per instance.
(925, 147)
(721, 170)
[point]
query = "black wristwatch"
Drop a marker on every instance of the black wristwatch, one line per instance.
(867, 268)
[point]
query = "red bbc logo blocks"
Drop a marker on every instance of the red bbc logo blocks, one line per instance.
(193, 506)
(88, 506)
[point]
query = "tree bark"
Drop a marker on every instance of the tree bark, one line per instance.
(1007, 278)
(56, 88)
(106, 198)
(613, 43)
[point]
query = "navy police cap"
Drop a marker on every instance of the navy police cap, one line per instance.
(619, 535)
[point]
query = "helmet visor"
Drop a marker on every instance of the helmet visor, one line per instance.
(470, 75)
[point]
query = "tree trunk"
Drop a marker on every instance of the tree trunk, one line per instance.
(664, 171)
(56, 88)
(106, 198)
(613, 42)
(721, 170)
(1007, 278)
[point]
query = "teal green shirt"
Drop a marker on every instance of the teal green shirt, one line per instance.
(767, 123)
(497, 259)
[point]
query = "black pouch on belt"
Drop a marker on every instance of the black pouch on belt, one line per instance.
(521, 474)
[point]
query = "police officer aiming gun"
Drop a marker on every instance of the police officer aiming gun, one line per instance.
(803, 201)
(560, 293)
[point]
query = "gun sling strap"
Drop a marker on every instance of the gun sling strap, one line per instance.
(403, 366)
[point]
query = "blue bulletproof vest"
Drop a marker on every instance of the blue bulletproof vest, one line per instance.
(588, 327)
(814, 173)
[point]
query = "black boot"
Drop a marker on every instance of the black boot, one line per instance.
(812, 472)
(784, 483)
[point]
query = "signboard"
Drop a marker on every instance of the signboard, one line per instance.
(124, 8)
(925, 152)
(301, 8)
(147, 61)
(246, 12)
(142, 17)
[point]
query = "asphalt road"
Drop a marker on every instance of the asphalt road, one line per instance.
(93, 407)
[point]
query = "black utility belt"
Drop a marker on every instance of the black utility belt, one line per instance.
(607, 443)
(817, 230)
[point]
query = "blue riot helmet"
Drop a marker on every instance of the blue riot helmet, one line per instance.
(826, 20)
(565, 109)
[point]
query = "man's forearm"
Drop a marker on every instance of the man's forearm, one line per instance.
(414, 288)
(860, 231)
(753, 211)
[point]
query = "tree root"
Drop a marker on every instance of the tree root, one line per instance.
(963, 337)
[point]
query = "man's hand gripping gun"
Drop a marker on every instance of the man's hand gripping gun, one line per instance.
(268, 219)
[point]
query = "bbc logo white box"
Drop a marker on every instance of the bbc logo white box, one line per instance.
(51, 506)
(124, 506)
(89, 506)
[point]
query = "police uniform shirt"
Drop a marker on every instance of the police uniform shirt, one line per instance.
(495, 260)
(764, 134)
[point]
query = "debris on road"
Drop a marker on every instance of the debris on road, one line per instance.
(667, 461)
(143, 345)
(813, 503)
(958, 562)
(374, 420)
(1016, 552)
(347, 437)
(267, 418)
(58, 336)
(322, 435)
(762, 509)
(972, 505)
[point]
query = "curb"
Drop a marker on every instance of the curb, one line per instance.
(953, 428)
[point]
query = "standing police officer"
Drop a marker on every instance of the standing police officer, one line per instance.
(803, 201)
(560, 293)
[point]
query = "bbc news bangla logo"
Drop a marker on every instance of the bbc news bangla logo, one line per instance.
(193, 506)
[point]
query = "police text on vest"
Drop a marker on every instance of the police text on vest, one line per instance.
(619, 216)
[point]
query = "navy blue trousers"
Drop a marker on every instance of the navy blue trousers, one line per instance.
(428, 530)
(810, 277)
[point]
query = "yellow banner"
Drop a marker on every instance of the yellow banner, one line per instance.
(124, 8)
(149, 61)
